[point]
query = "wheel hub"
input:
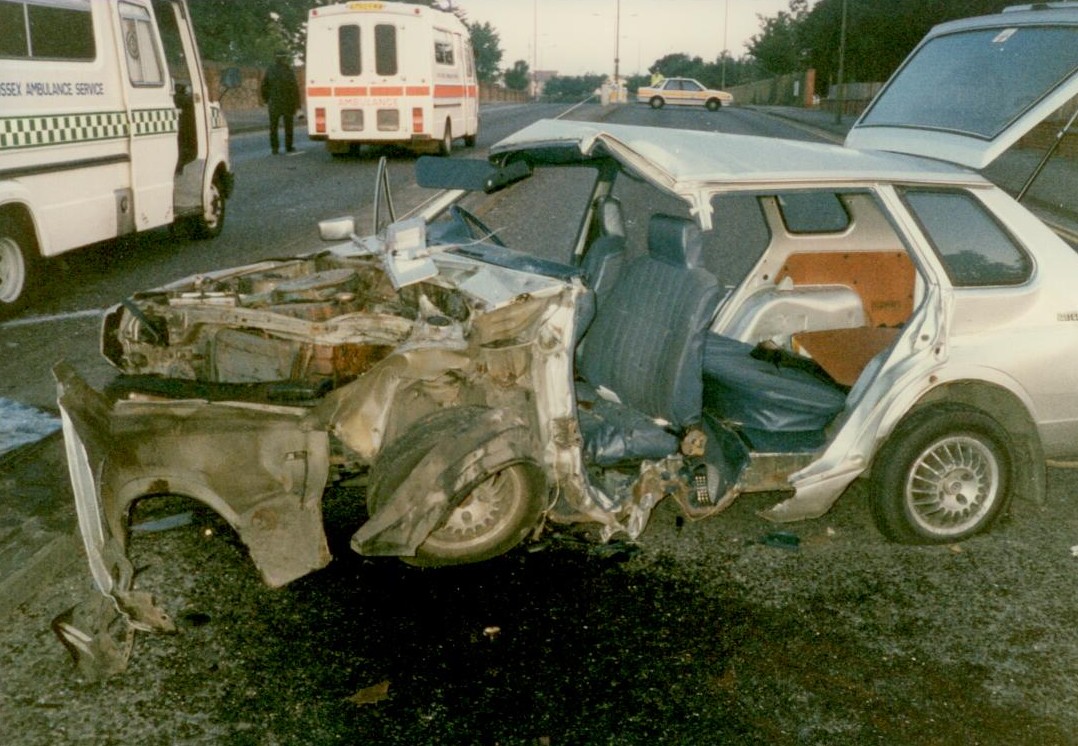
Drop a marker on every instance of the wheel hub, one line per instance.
(952, 483)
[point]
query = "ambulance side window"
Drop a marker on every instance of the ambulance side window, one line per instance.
(140, 46)
(46, 32)
(385, 49)
(348, 48)
(443, 47)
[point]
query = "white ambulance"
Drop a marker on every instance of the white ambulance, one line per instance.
(106, 128)
(380, 72)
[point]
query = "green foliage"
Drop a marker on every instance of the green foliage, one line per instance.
(571, 88)
(488, 51)
(517, 77)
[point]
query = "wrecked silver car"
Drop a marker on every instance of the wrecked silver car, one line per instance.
(731, 314)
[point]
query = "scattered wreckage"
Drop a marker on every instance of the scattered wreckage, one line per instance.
(734, 314)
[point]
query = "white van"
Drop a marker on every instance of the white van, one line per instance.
(381, 72)
(105, 128)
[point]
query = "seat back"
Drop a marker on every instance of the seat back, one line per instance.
(603, 261)
(646, 342)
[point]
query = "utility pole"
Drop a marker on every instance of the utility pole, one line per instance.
(841, 65)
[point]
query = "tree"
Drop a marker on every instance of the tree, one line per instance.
(517, 77)
(571, 87)
(777, 48)
(488, 52)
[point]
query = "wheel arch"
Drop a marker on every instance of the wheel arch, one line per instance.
(21, 214)
(1008, 409)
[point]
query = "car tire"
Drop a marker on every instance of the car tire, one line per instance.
(19, 265)
(656, 102)
(713, 104)
(495, 515)
(945, 474)
(445, 147)
(212, 221)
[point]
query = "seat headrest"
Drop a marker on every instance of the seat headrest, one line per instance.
(609, 217)
(674, 240)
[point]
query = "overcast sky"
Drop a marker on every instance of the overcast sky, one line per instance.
(577, 36)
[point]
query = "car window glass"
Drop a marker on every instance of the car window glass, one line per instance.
(973, 247)
(385, 49)
(977, 81)
(689, 85)
(348, 49)
(813, 212)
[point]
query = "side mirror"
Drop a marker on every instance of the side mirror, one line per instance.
(231, 78)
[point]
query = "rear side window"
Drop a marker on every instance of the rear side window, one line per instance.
(385, 49)
(29, 30)
(813, 212)
(973, 247)
(348, 49)
(443, 47)
(140, 46)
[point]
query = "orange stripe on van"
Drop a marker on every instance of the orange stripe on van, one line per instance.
(350, 90)
(417, 90)
(387, 90)
(449, 91)
(319, 90)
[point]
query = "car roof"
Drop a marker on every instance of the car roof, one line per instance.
(684, 161)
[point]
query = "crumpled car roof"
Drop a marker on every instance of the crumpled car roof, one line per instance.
(685, 160)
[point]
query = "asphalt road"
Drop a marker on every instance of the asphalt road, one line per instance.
(709, 632)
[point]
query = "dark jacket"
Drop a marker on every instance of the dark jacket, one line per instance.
(279, 87)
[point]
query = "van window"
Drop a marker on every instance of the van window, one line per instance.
(443, 47)
(974, 248)
(385, 49)
(348, 49)
(47, 32)
(140, 46)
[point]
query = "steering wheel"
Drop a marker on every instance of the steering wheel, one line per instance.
(475, 227)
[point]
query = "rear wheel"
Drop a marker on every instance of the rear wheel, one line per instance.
(656, 102)
(945, 474)
(445, 147)
(18, 266)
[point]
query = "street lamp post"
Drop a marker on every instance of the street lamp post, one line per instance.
(617, 45)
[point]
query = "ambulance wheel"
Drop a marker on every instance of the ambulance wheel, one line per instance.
(18, 265)
(445, 147)
(656, 102)
(469, 140)
(211, 222)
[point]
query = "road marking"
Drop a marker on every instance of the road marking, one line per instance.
(35, 320)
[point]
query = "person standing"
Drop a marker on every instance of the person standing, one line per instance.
(281, 93)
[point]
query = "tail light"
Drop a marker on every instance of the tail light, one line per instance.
(320, 120)
(417, 119)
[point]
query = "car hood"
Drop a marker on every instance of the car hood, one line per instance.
(972, 88)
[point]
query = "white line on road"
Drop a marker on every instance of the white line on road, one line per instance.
(34, 320)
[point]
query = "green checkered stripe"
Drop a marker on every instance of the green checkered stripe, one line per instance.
(154, 121)
(59, 129)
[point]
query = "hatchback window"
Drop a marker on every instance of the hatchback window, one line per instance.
(813, 212)
(979, 81)
(973, 247)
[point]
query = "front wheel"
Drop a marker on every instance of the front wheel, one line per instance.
(212, 220)
(945, 474)
(713, 104)
(492, 519)
(656, 102)
(18, 265)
